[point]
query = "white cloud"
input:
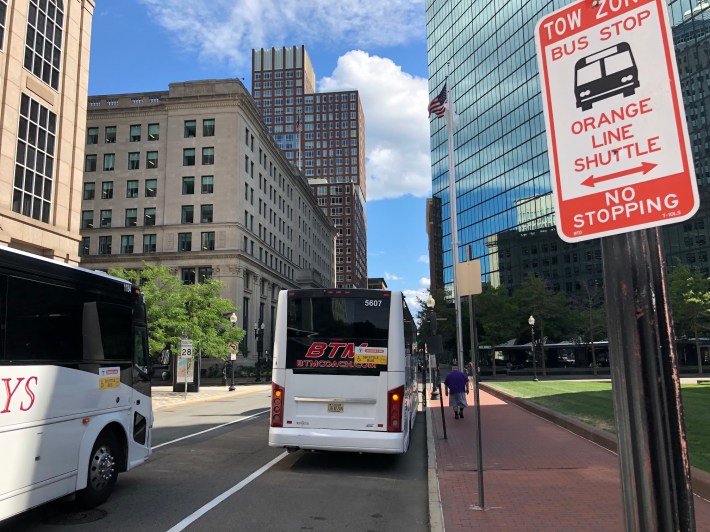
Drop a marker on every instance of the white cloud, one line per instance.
(413, 297)
(392, 277)
(425, 283)
(396, 124)
(423, 258)
(394, 102)
(229, 29)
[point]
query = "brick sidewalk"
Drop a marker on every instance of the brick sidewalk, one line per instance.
(536, 475)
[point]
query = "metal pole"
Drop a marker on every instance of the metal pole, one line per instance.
(653, 452)
(231, 363)
(532, 346)
(454, 224)
(476, 400)
(441, 405)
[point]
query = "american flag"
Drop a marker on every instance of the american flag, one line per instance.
(298, 124)
(436, 106)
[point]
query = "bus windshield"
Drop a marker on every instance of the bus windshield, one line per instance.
(345, 335)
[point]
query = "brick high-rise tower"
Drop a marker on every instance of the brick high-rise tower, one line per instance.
(322, 134)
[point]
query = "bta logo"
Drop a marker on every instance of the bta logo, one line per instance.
(18, 394)
(318, 349)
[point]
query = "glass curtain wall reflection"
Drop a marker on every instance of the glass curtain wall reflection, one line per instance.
(503, 192)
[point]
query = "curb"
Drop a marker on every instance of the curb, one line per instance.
(700, 480)
(436, 512)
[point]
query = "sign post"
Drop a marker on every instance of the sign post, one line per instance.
(621, 166)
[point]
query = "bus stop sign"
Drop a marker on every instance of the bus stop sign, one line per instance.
(618, 146)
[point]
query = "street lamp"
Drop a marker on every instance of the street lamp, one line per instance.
(531, 322)
(259, 335)
(433, 374)
(233, 321)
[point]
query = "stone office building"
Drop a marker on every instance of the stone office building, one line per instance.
(44, 52)
(190, 178)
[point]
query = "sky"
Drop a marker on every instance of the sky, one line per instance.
(377, 47)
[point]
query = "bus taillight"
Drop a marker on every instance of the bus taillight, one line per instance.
(277, 405)
(394, 409)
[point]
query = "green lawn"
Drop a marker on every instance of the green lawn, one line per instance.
(592, 403)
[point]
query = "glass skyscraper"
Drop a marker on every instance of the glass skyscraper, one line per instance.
(503, 192)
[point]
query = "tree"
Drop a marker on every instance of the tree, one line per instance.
(591, 322)
(176, 310)
(497, 314)
(690, 304)
(550, 309)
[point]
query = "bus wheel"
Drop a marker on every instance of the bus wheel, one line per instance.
(102, 472)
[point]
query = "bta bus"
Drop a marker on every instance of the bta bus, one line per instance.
(344, 371)
(605, 74)
(75, 405)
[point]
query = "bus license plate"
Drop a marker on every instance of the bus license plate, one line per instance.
(335, 407)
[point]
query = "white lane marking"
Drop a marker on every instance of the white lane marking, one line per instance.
(231, 491)
(209, 430)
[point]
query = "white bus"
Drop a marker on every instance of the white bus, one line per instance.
(344, 372)
(75, 405)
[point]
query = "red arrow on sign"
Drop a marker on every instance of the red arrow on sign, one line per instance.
(645, 168)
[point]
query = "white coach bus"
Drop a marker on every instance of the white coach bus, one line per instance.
(75, 405)
(344, 373)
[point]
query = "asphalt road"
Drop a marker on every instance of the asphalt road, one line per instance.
(212, 470)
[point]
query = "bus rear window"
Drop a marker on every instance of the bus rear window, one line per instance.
(344, 335)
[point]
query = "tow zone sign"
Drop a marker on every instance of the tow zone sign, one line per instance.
(618, 146)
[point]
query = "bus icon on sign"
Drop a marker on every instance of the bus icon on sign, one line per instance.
(605, 74)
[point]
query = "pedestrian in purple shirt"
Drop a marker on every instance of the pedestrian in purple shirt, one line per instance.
(456, 383)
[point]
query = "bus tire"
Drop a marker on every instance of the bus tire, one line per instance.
(102, 471)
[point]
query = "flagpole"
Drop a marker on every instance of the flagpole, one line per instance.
(452, 206)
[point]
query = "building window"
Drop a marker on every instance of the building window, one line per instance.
(190, 129)
(87, 219)
(34, 160)
(208, 127)
(43, 43)
(105, 218)
(92, 135)
(110, 134)
(134, 160)
(84, 246)
(188, 275)
(206, 214)
(107, 190)
(207, 184)
(204, 273)
(187, 214)
(188, 185)
(131, 218)
(207, 155)
(90, 163)
(184, 242)
(188, 157)
(126, 243)
(149, 216)
(207, 241)
(151, 188)
(149, 243)
(151, 159)
(153, 131)
(105, 245)
(132, 188)
(89, 191)
(135, 135)
(109, 162)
